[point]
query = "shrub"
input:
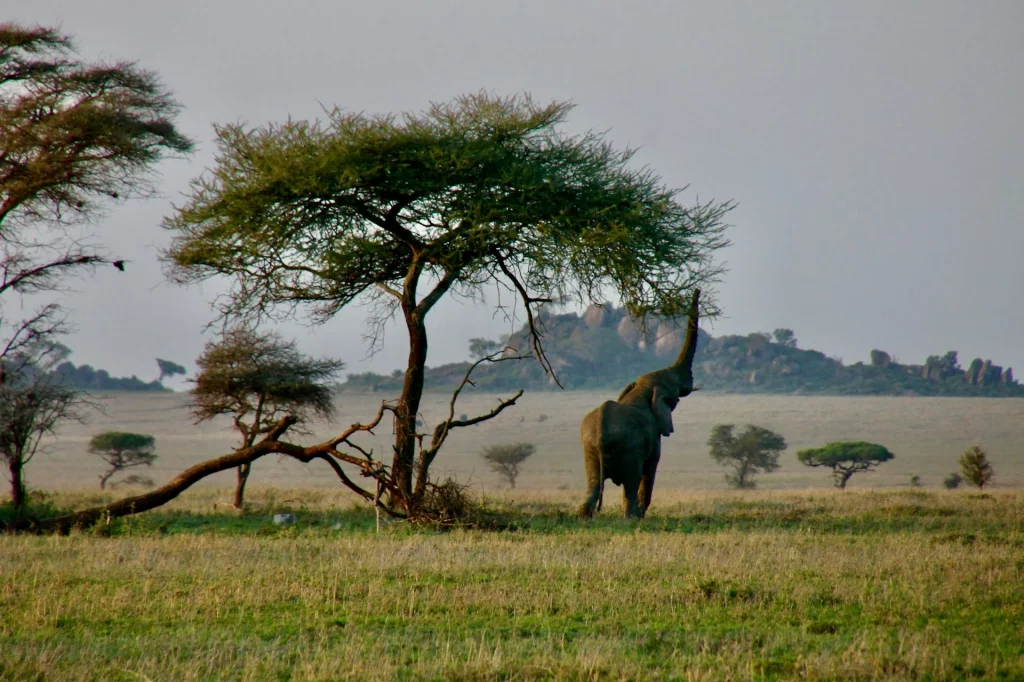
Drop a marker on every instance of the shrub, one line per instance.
(975, 467)
(952, 481)
(505, 459)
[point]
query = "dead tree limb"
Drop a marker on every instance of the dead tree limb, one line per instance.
(269, 444)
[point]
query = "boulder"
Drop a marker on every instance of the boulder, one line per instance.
(595, 315)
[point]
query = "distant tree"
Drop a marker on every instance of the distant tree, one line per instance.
(952, 481)
(785, 337)
(121, 450)
(33, 400)
(845, 458)
(879, 358)
(169, 369)
(401, 211)
(505, 459)
(258, 378)
(915, 481)
(753, 451)
(481, 348)
(975, 467)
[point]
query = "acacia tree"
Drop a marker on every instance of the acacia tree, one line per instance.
(122, 450)
(399, 211)
(845, 458)
(169, 369)
(754, 450)
(505, 459)
(258, 378)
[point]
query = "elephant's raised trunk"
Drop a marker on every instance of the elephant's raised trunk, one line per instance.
(684, 363)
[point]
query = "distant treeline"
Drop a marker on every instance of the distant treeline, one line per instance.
(85, 377)
(605, 349)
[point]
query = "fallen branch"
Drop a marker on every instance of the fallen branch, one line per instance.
(270, 444)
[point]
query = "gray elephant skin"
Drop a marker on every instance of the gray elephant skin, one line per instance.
(622, 439)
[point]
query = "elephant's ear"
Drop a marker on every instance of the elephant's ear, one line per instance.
(626, 390)
(662, 413)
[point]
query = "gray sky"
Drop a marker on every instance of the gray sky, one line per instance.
(875, 148)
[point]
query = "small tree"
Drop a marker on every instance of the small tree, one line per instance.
(505, 459)
(975, 467)
(845, 458)
(755, 450)
(953, 481)
(169, 369)
(785, 337)
(33, 400)
(481, 348)
(258, 378)
(121, 450)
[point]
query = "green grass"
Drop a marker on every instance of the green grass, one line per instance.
(820, 585)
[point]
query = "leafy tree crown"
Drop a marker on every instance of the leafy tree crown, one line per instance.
(469, 191)
(849, 452)
(120, 441)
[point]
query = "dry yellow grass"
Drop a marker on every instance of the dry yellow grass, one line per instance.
(926, 434)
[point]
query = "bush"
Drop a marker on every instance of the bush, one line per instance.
(953, 481)
(975, 467)
(505, 459)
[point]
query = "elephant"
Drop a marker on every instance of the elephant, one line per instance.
(622, 439)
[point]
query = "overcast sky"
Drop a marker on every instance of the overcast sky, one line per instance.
(875, 148)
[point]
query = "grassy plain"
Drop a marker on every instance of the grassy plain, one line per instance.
(791, 581)
(815, 584)
(927, 436)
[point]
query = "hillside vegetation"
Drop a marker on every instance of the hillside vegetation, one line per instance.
(604, 348)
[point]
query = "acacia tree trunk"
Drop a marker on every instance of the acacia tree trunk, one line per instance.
(106, 477)
(243, 476)
(407, 409)
(17, 484)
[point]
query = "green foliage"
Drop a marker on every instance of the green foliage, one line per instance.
(753, 451)
(122, 450)
(785, 337)
(975, 467)
(334, 209)
(258, 376)
(953, 481)
(845, 458)
(481, 348)
(505, 459)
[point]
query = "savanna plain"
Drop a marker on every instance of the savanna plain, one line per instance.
(793, 580)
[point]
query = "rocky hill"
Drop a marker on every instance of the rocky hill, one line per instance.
(605, 349)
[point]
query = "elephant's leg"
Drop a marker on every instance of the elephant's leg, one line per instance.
(647, 480)
(595, 481)
(630, 496)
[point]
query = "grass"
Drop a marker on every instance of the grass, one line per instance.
(716, 585)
